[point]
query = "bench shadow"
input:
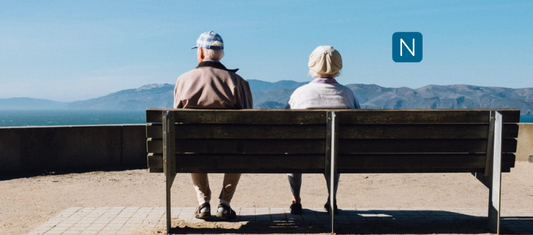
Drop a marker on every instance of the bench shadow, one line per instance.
(517, 225)
(253, 224)
(356, 222)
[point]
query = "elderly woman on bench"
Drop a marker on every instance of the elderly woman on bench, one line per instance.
(325, 63)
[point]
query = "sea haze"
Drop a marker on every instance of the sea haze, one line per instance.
(70, 117)
(526, 118)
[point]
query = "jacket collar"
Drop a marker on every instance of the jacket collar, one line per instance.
(324, 80)
(215, 64)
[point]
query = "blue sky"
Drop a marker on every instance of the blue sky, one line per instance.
(75, 50)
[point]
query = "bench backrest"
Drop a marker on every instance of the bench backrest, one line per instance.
(421, 140)
(278, 141)
(239, 140)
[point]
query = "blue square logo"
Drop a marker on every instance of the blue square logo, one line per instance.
(407, 47)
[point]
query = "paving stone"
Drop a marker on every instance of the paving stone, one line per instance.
(131, 220)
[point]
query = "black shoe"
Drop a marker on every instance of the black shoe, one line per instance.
(225, 212)
(296, 208)
(335, 209)
(205, 214)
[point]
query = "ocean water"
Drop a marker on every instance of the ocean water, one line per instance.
(87, 117)
(528, 118)
(69, 117)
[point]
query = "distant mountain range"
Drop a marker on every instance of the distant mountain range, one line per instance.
(274, 95)
(30, 103)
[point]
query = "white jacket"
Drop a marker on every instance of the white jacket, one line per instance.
(323, 95)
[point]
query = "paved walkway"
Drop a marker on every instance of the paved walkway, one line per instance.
(151, 220)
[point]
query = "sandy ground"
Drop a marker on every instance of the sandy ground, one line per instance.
(26, 203)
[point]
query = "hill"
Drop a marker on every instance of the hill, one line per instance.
(444, 97)
(22, 103)
(274, 95)
(154, 96)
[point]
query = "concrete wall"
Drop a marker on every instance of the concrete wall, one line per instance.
(525, 142)
(30, 150)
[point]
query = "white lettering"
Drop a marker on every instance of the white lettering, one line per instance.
(401, 48)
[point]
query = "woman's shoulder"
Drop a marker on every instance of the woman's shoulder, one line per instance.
(303, 88)
(343, 87)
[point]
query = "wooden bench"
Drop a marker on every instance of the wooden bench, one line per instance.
(479, 141)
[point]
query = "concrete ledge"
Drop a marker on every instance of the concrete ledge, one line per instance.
(27, 150)
(524, 149)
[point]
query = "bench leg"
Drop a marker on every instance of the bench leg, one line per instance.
(168, 206)
(169, 159)
(331, 163)
(496, 174)
(494, 203)
(493, 171)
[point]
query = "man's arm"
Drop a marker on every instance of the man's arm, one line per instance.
(249, 97)
(245, 94)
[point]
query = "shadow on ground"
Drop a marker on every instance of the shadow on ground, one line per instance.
(356, 222)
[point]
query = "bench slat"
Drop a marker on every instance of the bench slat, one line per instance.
(252, 146)
(399, 116)
(198, 131)
(424, 131)
(408, 163)
(421, 145)
(318, 146)
(232, 131)
(368, 131)
(361, 163)
(311, 163)
(450, 131)
(155, 163)
(246, 146)
(229, 116)
(154, 130)
(510, 131)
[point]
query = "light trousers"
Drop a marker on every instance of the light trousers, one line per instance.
(295, 181)
(203, 192)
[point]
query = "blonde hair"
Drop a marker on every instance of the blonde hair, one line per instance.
(317, 75)
(325, 62)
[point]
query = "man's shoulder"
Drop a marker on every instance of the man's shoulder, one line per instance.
(209, 73)
(194, 73)
(241, 78)
(189, 73)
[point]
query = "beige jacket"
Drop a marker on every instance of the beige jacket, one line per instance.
(212, 86)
